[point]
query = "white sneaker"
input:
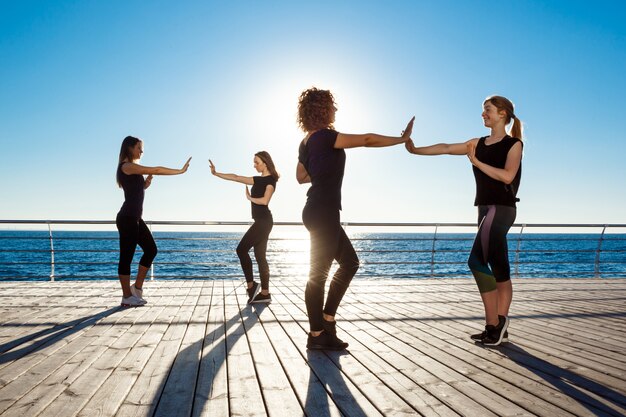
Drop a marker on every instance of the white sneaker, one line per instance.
(136, 292)
(132, 301)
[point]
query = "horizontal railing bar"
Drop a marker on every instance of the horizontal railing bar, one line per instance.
(349, 224)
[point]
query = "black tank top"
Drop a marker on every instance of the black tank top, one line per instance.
(133, 186)
(258, 191)
(325, 166)
(488, 190)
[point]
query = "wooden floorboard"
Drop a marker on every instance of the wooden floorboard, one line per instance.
(197, 349)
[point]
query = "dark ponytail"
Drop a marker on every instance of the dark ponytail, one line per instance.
(125, 155)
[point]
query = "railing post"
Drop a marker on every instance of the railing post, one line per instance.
(51, 253)
(432, 253)
(598, 251)
(517, 250)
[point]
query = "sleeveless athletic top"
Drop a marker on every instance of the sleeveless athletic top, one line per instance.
(488, 190)
(258, 191)
(325, 166)
(133, 194)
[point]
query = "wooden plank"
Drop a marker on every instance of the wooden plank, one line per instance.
(144, 395)
(542, 392)
(110, 395)
(243, 387)
(212, 386)
(278, 394)
(311, 394)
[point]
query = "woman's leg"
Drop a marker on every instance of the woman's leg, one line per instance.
(148, 245)
(244, 246)
(478, 264)
(499, 256)
(260, 252)
(324, 238)
(348, 266)
(127, 228)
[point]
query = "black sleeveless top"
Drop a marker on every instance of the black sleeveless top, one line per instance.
(133, 186)
(325, 166)
(488, 190)
(258, 191)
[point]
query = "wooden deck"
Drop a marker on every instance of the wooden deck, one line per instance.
(67, 349)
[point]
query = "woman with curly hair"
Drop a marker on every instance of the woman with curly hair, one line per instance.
(321, 162)
(263, 188)
(497, 166)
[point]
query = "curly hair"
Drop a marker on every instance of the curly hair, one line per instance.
(316, 109)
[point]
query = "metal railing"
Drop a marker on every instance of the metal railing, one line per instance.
(385, 250)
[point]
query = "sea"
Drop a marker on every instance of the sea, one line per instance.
(85, 255)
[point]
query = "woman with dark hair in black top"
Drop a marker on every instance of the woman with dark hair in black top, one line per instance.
(263, 188)
(321, 162)
(497, 166)
(132, 229)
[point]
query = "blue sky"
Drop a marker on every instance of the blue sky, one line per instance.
(220, 80)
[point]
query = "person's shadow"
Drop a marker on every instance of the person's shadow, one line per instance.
(326, 381)
(569, 383)
(41, 339)
(327, 393)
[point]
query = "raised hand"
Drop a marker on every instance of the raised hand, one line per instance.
(409, 145)
(186, 166)
(213, 171)
(406, 133)
(147, 182)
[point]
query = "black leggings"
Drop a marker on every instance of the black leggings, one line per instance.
(328, 241)
(490, 247)
(257, 237)
(133, 232)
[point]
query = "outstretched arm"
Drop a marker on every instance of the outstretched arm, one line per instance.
(131, 168)
(301, 174)
(441, 148)
(372, 140)
(262, 201)
(511, 166)
(231, 177)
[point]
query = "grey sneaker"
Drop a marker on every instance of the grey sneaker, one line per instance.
(132, 301)
(137, 292)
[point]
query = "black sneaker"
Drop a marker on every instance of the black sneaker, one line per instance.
(496, 334)
(262, 299)
(325, 341)
(501, 323)
(479, 336)
(252, 291)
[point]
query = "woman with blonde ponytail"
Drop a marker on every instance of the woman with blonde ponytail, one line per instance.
(497, 166)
